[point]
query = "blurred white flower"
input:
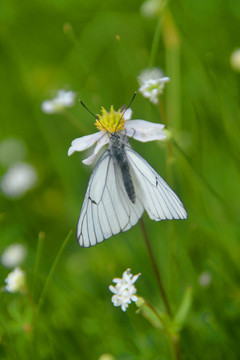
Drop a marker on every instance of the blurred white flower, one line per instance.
(111, 121)
(151, 8)
(124, 290)
(13, 255)
(235, 60)
(106, 357)
(152, 83)
(19, 178)
(16, 281)
(12, 150)
(62, 100)
(205, 279)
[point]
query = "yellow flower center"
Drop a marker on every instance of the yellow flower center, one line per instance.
(111, 121)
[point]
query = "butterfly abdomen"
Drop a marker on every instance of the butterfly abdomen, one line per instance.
(119, 154)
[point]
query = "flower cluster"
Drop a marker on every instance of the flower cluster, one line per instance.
(59, 103)
(16, 281)
(13, 255)
(19, 178)
(235, 60)
(152, 83)
(124, 291)
(152, 8)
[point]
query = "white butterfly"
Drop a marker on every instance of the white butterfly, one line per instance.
(121, 186)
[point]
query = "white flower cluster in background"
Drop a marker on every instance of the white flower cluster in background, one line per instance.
(152, 83)
(235, 60)
(152, 8)
(13, 255)
(205, 279)
(62, 100)
(124, 291)
(16, 281)
(19, 178)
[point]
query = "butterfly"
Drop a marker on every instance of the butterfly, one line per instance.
(123, 185)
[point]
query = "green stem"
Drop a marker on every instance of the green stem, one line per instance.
(118, 38)
(172, 338)
(41, 238)
(51, 272)
(195, 169)
(155, 42)
(154, 264)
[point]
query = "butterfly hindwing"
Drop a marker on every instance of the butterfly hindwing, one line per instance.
(158, 199)
(106, 209)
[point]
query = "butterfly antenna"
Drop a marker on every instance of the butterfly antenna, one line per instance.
(135, 93)
(95, 116)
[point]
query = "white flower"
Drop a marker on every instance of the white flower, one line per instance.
(106, 357)
(152, 83)
(205, 279)
(13, 255)
(63, 99)
(235, 60)
(16, 281)
(112, 121)
(151, 8)
(124, 290)
(19, 178)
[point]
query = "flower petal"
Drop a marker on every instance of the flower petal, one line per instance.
(128, 114)
(112, 289)
(101, 142)
(134, 298)
(144, 130)
(84, 142)
(135, 277)
(47, 107)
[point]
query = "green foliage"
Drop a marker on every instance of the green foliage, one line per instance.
(52, 44)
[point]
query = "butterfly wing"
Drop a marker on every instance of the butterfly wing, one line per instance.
(106, 209)
(158, 199)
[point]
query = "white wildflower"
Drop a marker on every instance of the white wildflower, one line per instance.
(16, 281)
(13, 255)
(124, 291)
(152, 8)
(205, 279)
(60, 102)
(106, 357)
(152, 83)
(19, 178)
(235, 60)
(112, 121)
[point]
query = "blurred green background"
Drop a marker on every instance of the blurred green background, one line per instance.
(58, 44)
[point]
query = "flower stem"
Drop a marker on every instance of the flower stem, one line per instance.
(173, 339)
(154, 264)
(50, 274)
(176, 347)
(169, 145)
(155, 42)
(41, 238)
